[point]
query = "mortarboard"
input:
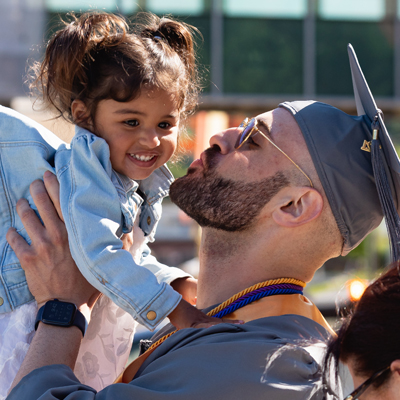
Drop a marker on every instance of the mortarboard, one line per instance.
(356, 162)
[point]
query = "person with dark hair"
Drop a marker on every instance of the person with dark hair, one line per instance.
(368, 341)
(276, 197)
(129, 91)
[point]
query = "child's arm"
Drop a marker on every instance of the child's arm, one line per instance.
(171, 275)
(184, 315)
(92, 214)
(187, 316)
(182, 282)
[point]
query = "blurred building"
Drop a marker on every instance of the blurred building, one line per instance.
(253, 52)
(22, 25)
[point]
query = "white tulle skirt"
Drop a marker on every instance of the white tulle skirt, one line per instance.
(104, 350)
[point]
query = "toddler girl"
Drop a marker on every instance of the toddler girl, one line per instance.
(128, 93)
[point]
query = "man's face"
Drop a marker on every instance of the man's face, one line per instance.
(227, 188)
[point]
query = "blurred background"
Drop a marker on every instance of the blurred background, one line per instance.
(254, 54)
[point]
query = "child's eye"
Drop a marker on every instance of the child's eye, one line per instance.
(132, 122)
(164, 125)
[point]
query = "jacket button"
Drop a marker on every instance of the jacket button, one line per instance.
(151, 315)
(148, 220)
(1, 301)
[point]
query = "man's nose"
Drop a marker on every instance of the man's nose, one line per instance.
(225, 140)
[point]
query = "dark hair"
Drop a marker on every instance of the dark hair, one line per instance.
(370, 336)
(98, 56)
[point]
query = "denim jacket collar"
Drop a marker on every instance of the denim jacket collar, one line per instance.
(154, 187)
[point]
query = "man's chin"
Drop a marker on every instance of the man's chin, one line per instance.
(177, 188)
(221, 203)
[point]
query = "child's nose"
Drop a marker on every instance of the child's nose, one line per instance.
(150, 139)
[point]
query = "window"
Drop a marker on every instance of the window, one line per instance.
(370, 10)
(124, 6)
(175, 7)
(266, 8)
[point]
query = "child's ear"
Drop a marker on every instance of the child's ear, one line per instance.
(80, 112)
(299, 206)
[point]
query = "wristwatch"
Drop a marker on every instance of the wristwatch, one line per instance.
(61, 313)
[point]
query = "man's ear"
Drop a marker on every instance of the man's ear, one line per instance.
(298, 206)
(80, 113)
(395, 366)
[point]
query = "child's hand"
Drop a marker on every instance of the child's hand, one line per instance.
(187, 316)
(187, 287)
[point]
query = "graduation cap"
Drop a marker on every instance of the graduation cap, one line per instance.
(356, 162)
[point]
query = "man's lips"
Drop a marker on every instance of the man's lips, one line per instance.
(207, 161)
(197, 163)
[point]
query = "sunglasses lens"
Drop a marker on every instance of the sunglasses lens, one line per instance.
(248, 126)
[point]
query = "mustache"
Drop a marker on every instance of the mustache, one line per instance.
(210, 157)
(209, 160)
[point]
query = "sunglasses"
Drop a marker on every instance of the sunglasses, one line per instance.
(355, 394)
(250, 129)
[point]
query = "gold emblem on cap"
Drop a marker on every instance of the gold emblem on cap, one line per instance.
(366, 146)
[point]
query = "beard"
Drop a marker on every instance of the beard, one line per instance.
(215, 202)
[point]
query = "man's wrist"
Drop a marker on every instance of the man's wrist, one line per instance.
(62, 314)
(83, 308)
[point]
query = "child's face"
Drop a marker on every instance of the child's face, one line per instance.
(142, 133)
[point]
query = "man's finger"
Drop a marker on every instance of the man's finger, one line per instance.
(204, 325)
(17, 242)
(233, 321)
(30, 220)
(44, 205)
(53, 189)
(216, 321)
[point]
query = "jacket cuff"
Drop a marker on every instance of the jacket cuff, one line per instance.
(161, 306)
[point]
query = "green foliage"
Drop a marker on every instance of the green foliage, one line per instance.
(262, 56)
(373, 44)
(179, 168)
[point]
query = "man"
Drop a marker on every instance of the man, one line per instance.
(267, 197)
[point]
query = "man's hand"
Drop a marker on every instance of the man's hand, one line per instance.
(50, 270)
(51, 273)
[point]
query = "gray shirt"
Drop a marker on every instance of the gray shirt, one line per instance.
(268, 358)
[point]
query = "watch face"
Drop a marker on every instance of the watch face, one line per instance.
(58, 313)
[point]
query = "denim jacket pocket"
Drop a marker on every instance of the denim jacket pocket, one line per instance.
(149, 218)
(15, 281)
(130, 203)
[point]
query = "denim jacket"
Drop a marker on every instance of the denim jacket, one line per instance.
(98, 206)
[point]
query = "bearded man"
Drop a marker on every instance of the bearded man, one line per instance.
(276, 198)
